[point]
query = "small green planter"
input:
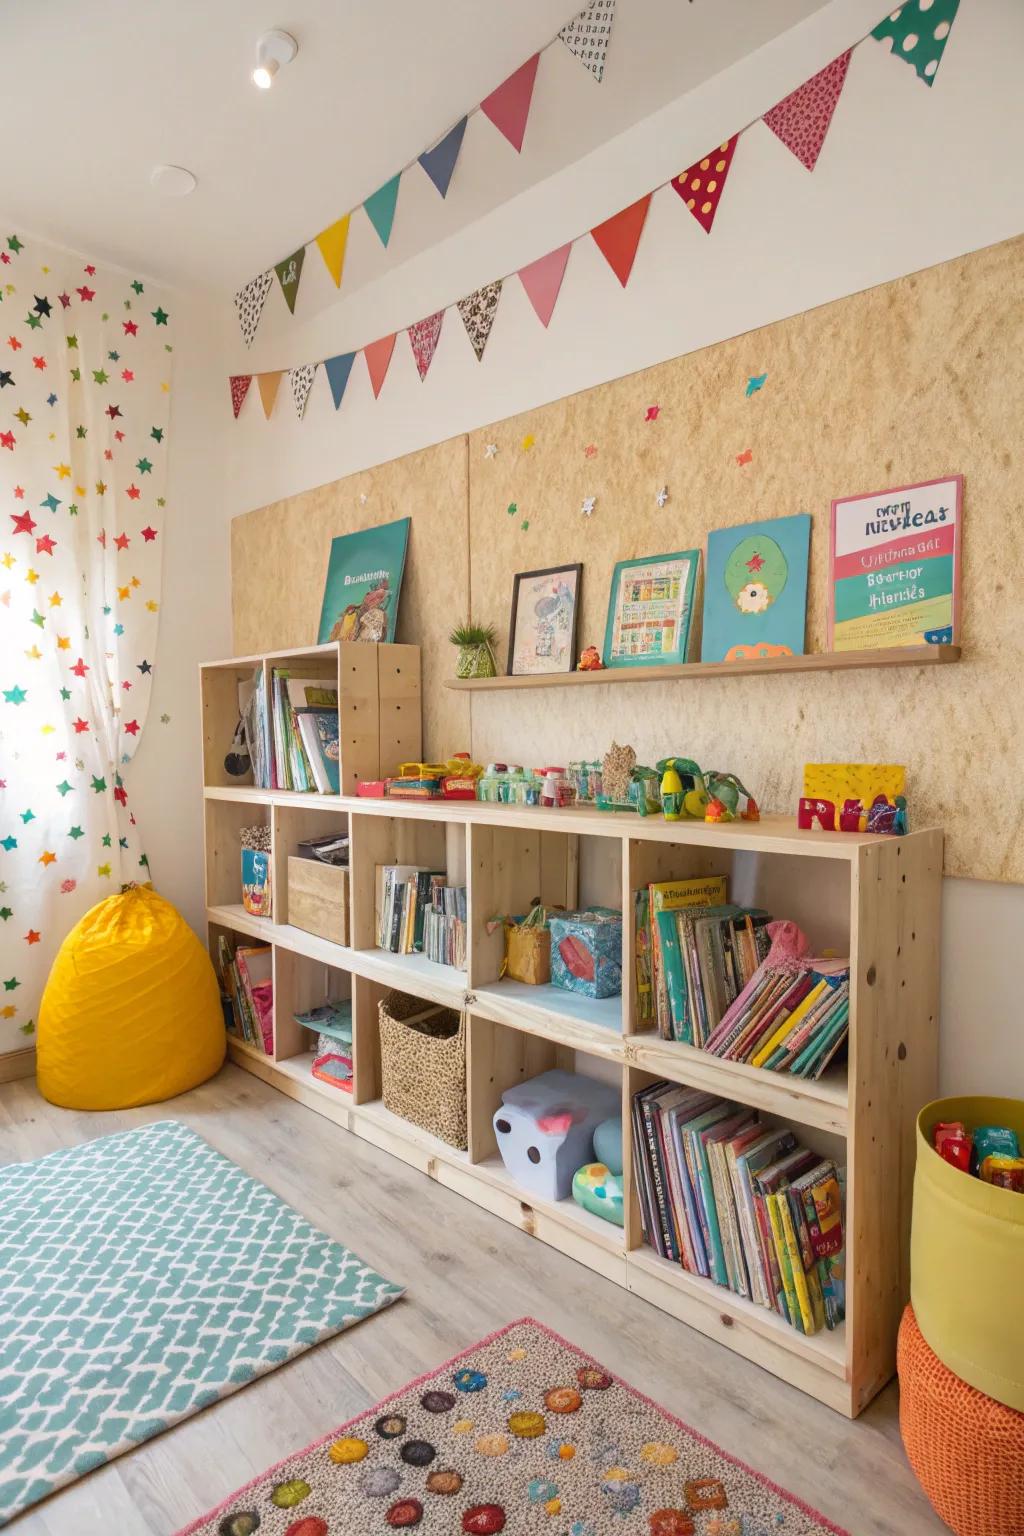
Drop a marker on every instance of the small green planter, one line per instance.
(475, 644)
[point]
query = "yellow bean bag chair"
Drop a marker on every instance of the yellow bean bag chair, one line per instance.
(131, 1012)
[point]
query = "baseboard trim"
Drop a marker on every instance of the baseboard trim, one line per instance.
(17, 1064)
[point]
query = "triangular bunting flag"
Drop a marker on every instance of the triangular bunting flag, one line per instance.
(380, 208)
(509, 106)
(249, 303)
(239, 389)
(917, 33)
(378, 358)
(439, 162)
(267, 384)
(332, 244)
(617, 238)
(478, 311)
(288, 273)
(423, 340)
(802, 119)
(542, 279)
(587, 36)
(701, 186)
(301, 379)
(337, 370)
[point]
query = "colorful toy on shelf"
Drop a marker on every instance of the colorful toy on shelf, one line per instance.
(590, 660)
(599, 1191)
(608, 1143)
(683, 791)
(586, 952)
(508, 784)
(557, 789)
(626, 785)
(854, 797)
(545, 1128)
(371, 789)
(460, 781)
(416, 781)
(724, 793)
(587, 781)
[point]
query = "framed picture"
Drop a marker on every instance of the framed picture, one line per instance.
(545, 612)
(650, 609)
(894, 567)
(755, 600)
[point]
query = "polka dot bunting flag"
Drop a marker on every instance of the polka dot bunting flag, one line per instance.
(917, 33)
(701, 186)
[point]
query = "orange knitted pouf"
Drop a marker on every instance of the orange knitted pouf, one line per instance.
(966, 1449)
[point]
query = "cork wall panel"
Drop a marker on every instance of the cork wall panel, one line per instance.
(279, 560)
(909, 381)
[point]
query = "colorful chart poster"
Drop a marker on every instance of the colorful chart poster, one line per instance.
(650, 608)
(756, 600)
(364, 578)
(894, 567)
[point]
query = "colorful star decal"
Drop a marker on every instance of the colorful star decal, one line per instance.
(98, 784)
(63, 788)
(160, 316)
(15, 695)
(32, 937)
(8, 843)
(144, 466)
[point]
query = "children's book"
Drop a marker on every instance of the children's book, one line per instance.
(318, 731)
(255, 970)
(755, 601)
(364, 579)
(256, 882)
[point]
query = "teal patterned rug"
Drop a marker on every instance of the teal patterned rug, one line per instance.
(142, 1277)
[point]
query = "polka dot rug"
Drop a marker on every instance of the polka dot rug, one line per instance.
(522, 1433)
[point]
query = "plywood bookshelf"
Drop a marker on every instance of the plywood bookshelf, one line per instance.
(876, 898)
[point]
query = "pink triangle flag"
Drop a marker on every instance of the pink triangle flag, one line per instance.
(378, 360)
(423, 340)
(542, 280)
(802, 119)
(239, 389)
(509, 106)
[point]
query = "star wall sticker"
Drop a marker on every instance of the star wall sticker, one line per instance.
(160, 315)
(98, 785)
(528, 442)
(23, 522)
(9, 843)
(490, 449)
(122, 541)
(144, 666)
(75, 833)
(5, 379)
(157, 434)
(65, 300)
(39, 363)
(754, 383)
(589, 502)
(50, 502)
(33, 936)
(103, 869)
(652, 413)
(81, 433)
(11, 984)
(33, 322)
(22, 415)
(6, 912)
(512, 508)
(138, 287)
(46, 858)
(100, 375)
(590, 451)
(51, 398)
(165, 719)
(14, 244)
(113, 411)
(662, 496)
(745, 457)
(45, 545)
(149, 534)
(27, 816)
(86, 294)
(63, 788)
(15, 695)
(41, 306)
(7, 440)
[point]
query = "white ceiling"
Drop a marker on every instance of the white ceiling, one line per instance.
(97, 92)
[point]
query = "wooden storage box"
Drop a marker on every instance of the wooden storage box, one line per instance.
(318, 898)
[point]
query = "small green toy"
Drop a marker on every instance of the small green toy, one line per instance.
(683, 791)
(599, 1191)
(724, 791)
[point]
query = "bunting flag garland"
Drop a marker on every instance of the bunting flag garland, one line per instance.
(288, 273)
(509, 106)
(423, 338)
(917, 33)
(542, 280)
(337, 370)
(378, 359)
(439, 162)
(802, 119)
(332, 243)
(587, 36)
(267, 384)
(301, 379)
(380, 208)
(478, 311)
(701, 186)
(249, 302)
(618, 237)
(239, 389)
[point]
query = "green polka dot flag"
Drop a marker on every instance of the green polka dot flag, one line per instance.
(918, 32)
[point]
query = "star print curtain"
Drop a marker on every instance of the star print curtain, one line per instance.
(85, 371)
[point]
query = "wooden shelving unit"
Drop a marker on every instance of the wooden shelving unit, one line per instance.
(695, 671)
(876, 898)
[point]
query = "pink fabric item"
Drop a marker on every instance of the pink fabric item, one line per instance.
(423, 338)
(542, 280)
(802, 119)
(509, 106)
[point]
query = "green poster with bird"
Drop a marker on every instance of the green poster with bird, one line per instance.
(755, 601)
(364, 578)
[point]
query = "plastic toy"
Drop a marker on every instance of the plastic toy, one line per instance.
(587, 781)
(854, 797)
(590, 660)
(608, 1143)
(556, 789)
(459, 783)
(508, 784)
(598, 1190)
(627, 786)
(683, 791)
(724, 791)
(545, 1128)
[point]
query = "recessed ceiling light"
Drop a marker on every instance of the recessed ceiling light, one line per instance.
(273, 49)
(172, 180)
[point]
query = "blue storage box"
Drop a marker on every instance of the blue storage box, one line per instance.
(586, 952)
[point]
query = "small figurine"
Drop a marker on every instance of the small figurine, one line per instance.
(590, 660)
(724, 791)
(683, 791)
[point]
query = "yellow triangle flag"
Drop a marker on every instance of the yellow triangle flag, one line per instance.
(332, 244)
(268, 383)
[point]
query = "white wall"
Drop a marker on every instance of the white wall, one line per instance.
(909, 176)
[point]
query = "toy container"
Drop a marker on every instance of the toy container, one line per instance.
(585, 779)
(586, 952)
(557, 789)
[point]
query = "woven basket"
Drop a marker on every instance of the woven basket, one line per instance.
(423, 1065)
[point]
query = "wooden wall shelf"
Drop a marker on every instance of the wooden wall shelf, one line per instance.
(837, 661)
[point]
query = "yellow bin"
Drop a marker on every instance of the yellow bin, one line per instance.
(967, 1256)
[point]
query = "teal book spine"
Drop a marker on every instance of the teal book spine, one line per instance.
(707, 1192)
(675, 977)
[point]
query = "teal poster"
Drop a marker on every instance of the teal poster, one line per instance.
(364, 578)
(755, 602)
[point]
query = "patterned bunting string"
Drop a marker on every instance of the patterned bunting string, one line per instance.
(618, 237)
(337, 370)
(542, 280)
(380, 208)
(917, 33)
(288, 273)
(332, 243)
(588, 35)
(267, 384)
(423, 337)
(301, 379)
(802, 119)
(509, 106)
(439, 162)
(701, 186)
(478, 311)
(249, 302)
(239, 389)
(378, 360)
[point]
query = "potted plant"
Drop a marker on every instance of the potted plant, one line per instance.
(476, 650)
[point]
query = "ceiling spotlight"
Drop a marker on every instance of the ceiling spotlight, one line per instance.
(273, 49)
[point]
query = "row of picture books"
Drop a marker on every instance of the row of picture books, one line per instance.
(710, 974)
(247, 992)
(741, 1203)
(418, 912)
(292, 735)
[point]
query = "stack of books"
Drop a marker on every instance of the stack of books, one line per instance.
(740, 1203)
(788, 1019)
(252, 705)
(292, 737)
(444, 926)
(417, 912)
(695, 953)
(247, 992)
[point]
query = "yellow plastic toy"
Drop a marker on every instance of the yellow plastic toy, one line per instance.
(131, 1012)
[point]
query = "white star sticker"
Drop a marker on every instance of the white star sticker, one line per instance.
(588, 505)
(490, 450)
(662, 496)
(362, 498)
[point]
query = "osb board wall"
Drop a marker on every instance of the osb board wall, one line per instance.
(910, 381)
(279, 560)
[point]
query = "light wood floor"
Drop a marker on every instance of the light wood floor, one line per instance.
(467, 1273)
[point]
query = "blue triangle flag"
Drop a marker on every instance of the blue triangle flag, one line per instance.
(380, 208)
(337, 370)
(439, 162)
